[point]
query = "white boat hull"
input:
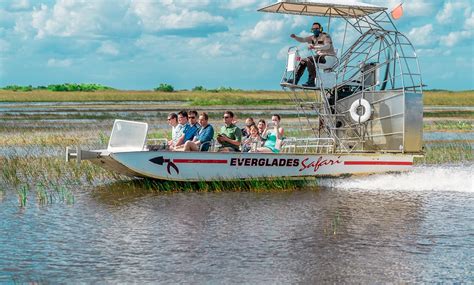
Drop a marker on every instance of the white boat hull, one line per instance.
(213, 166)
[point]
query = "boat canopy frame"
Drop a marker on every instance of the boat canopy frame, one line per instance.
(379, 48)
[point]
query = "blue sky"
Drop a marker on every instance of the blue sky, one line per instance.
(137, 44)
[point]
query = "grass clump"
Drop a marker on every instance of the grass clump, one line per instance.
(447, 152)
(23, 195)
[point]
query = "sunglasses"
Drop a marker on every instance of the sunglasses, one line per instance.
(192, 117)
(226, 117)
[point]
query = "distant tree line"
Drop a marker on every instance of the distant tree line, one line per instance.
(88, 87)
(66, 87)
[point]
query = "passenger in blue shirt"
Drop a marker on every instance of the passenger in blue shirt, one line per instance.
(190, 128)
(202, 140)
(193, 126)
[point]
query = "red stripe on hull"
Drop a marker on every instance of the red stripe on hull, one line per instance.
(378, 163)
(217, 161)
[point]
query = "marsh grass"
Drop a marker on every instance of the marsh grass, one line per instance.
(442, 98)
(333, 227)
(50, 179)
(446, 152)
(243, 97)
(449, 114)
(448, 126)
(23, 195)
(449, 98)
(250, 185)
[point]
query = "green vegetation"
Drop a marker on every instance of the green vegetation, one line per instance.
(448, 98)
(217, 90)
(164, 88)
(253, 185)
(66, 87)
(19, 88)
(220, 96)
(446, 152)
(449, 114)
(448, 126)
(239, 101)
(274, 97)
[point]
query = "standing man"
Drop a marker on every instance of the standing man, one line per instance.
(230, 135)
(322, 43)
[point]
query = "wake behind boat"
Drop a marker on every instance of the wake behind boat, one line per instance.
(364, 112)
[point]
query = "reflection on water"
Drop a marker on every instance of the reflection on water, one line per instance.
(335, 233)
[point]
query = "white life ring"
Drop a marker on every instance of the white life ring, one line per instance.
(367, 110)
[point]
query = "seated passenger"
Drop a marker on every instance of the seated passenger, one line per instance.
(262, 126)
(176, 130)
(202, 140)
(246, 130)
(230, 135)
(253, 141)
(273, 142)
(190, 128)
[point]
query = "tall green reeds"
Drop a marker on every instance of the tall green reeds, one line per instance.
(253, 185)
(447, 152)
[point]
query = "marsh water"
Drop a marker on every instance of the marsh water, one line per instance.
(389, 228)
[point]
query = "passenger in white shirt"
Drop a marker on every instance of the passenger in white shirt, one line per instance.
(176, 129)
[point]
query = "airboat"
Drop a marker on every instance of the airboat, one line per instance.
(364, 116)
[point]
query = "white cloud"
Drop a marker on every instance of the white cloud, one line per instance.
(469, 23)
(108, 48)
(214, 49)
(421, 36)
(453, 38)
(20, 5)
(235, 4)
(187, 19)
(418, 8)
(52, 62)
(452, 11)
(69, 18)
(264, 30)
(156, 16)
(410, 8)
(295, 21)
(266, 55)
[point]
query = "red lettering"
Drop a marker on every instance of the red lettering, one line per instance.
(317, 164)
